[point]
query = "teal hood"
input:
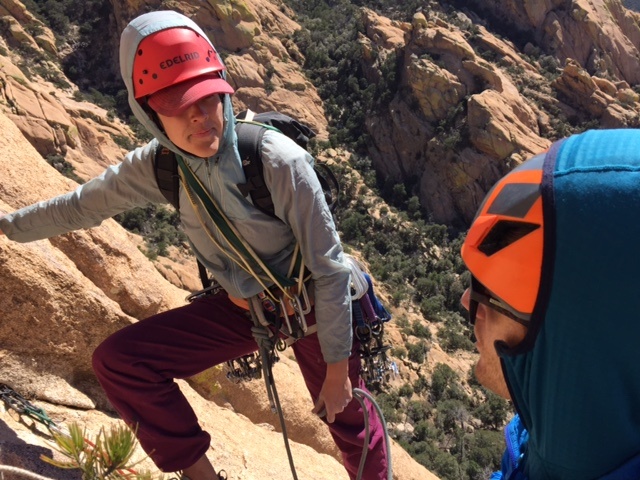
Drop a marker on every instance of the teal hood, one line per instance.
(575, 379)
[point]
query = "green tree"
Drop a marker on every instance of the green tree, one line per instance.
(445, 384)
(417, 352)
(493, 411)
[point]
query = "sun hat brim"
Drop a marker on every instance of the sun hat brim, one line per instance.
(174, 100)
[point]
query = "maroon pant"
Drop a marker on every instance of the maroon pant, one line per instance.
(136, 367)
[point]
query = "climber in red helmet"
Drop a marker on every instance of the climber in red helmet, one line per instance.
(178, 90)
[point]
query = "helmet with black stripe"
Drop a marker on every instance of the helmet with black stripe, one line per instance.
(503, 248)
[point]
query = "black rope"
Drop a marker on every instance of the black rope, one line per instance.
(266, 345)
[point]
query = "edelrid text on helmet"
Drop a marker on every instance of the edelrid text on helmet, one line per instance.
(179, 59)
(503, 248)
(171, 56)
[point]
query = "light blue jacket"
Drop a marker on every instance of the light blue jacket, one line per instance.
(297, 196)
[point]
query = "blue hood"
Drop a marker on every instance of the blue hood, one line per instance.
(575, 379)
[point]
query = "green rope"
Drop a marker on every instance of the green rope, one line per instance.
(224, 227)
(21, 405)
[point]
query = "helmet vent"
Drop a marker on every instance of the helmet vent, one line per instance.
(515, 200)
(503, 234)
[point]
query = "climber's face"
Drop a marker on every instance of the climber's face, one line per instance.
(198, 129)
(492, 326)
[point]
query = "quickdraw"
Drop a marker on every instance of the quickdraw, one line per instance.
(22, 406)
(376, 368)
(248, 367)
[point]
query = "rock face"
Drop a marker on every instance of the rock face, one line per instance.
(61, 297)
(600, 35)
(471, 105)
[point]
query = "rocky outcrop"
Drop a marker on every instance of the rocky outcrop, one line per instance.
(445, 77)
(601, 35)
(470, 105)
(615, 104)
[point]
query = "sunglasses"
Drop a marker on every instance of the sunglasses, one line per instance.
(479, 294)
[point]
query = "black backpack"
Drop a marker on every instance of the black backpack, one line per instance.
(249, 135)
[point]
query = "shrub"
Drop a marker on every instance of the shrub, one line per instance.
(493, 411)
(109, 455)
(451, 415)
(417, 352)
(406, 390)
(390, 405)
(485, 449)
(421, 384)
(420, 330)
(65, 168)
(157, 224)
(445, 384)
(399, 352)
(452, 338)
(432, 307)
(418, 410)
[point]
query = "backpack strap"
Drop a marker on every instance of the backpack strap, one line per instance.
(249, 146)
(167, 176)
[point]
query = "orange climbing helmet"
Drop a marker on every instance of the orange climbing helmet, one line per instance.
(503, 248)
(174, 57)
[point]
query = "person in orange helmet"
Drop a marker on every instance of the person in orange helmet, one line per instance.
(553, 257)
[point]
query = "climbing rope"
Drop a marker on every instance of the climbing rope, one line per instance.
(266, 345)
(361, 395)
(265, 341)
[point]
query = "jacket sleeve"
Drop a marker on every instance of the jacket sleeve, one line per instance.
(299, 200)
(120, 187)
(513, 459)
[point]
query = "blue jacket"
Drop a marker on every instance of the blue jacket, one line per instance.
(575, 379)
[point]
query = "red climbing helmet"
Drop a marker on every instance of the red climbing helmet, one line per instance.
(167, 64)
(503, 248)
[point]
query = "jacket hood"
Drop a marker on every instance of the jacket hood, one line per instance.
(575, 379)
(141, 27)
